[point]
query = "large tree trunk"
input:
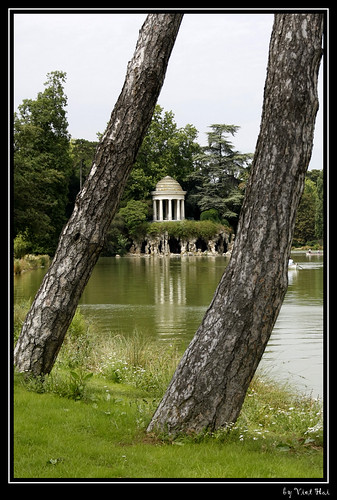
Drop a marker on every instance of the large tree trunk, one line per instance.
(210, 383)
(83, 237)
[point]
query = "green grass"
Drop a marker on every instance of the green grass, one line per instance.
(88, 419)
(104, 436)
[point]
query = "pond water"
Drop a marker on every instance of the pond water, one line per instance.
(165, 298)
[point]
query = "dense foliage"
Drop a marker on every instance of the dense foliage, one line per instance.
(309, 220)
(186, 229)
(219, 174)
(50, 167)
(166, 150)
(42, 166)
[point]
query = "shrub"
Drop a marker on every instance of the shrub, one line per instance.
(116, 241)
(21, 246)
(204, 229)
(138, 361)
(17, 266)
(135, 214)
(207, 229)
(78, 343)
(70, 385)
(211, 214)
(29, 262)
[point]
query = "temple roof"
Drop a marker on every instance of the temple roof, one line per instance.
(168, 185)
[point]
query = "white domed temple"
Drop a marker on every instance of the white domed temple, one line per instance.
(168, 200)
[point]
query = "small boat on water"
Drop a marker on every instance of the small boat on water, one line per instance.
(292, 264)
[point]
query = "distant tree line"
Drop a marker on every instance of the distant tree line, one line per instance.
(309, 226)
(50, 166)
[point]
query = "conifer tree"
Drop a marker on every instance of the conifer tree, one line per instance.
(219, 174)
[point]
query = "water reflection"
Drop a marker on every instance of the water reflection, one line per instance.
(295, 350)
(169, 288)
(166, 298)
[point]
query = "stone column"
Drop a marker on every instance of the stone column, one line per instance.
(154, 209)
(160, 210)
(178, 209)
(182, 209)
(169, 209)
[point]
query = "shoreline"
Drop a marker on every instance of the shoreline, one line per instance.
(316, 253)
(30, 263)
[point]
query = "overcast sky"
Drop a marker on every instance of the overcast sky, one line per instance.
(216, 72)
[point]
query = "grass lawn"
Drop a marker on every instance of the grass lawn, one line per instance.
(88, 419)
(103, 435)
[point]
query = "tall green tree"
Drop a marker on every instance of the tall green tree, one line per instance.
(305, 220)
(319, 216)
(220, 172)
(310, 217)
(166, 150)
(42, 165)
(134, 214)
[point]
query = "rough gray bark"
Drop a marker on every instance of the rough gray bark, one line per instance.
(83, 236)
(210, 383)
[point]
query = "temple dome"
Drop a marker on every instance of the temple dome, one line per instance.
(168, 200)
(168, 185)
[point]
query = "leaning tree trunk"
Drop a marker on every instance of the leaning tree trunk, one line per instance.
(83, 237)
(208, 388)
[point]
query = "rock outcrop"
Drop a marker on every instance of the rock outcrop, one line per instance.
(164, 244)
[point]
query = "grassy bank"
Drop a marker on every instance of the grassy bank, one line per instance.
(30, 262)
(88, 419)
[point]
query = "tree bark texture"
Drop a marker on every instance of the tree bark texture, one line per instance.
(209, 386)
(83, 236)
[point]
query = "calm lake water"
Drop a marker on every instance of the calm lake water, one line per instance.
(166, 298)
